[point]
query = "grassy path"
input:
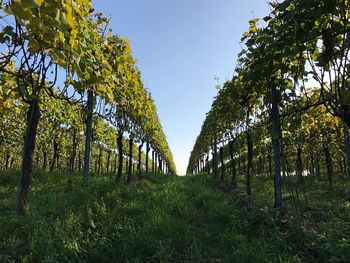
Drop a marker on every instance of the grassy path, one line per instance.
(161, 219)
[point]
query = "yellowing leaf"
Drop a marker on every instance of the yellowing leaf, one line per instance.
(252, 30)
(39, 2)
(128, 47)
(70, 19)
(101, 89)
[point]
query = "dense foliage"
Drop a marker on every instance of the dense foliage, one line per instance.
(66, 84)
(286, 110)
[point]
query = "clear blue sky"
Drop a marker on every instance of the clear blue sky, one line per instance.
(181, 45)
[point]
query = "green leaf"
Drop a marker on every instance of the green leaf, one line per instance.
(20, 12)
(34, 46)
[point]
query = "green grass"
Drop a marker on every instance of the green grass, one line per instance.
(318, 213)
(160, 219)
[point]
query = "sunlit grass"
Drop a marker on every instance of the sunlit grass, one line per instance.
(165, 219)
